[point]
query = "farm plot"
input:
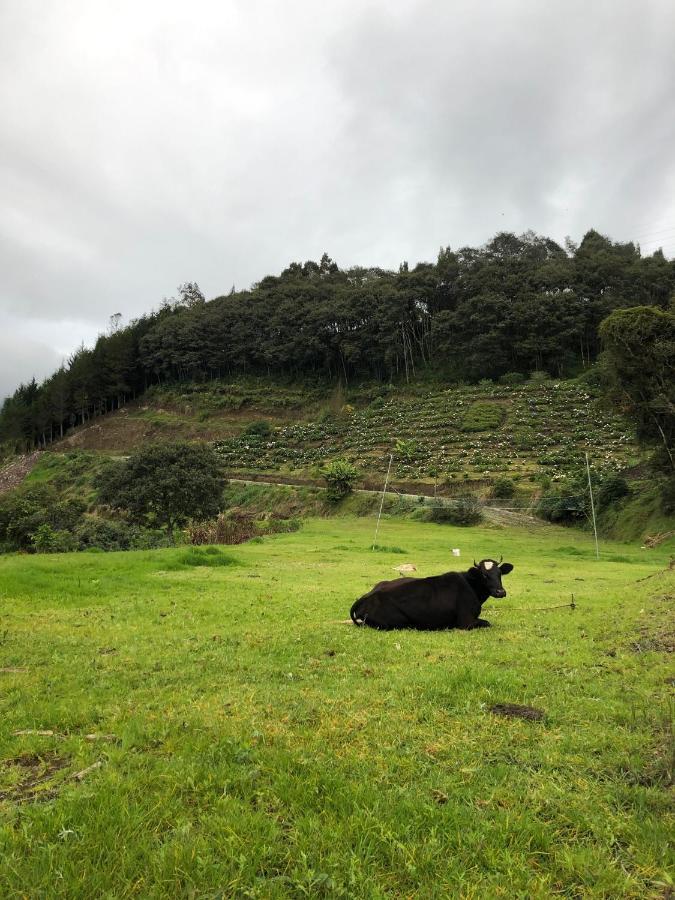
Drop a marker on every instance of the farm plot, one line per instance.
(460, 434)
(179, 724)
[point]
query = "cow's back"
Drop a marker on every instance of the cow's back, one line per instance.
(424, 603)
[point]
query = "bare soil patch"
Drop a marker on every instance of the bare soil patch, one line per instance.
(13, 474)
(516, 711)
(34, 774)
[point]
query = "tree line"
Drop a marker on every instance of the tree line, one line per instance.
(517, 304)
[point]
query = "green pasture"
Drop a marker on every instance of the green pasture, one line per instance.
(252, 745)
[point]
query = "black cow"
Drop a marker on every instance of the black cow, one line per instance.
(452, 600)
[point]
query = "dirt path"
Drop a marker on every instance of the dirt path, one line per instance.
(498, 515)
(14, 473)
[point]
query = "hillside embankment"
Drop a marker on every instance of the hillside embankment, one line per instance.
(454, 436)
(443, 441)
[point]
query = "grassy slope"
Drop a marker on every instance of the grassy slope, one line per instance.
(267, 751)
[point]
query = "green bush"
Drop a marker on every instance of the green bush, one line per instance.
(612, 488)
(482, 417)
(261, 429)
(503, 488)
(48, 540)
(464, 511)
(538, 377)
(24, 511)
(340, 476)
(165, 485)
(512, 378)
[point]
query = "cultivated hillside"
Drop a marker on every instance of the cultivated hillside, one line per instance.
(456, 436)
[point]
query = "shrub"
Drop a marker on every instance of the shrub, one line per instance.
(464, 511)
(47, 540)
(165, 484)
(25, 510)
(340, 476)
(482, 417)
(406, 449)
(261, 429)
(538, 377)
(512, 378)
(237, 529)
(112, 534)
(612, 488)
(503, 488)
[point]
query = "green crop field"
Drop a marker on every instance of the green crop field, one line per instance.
(459, 435)
(247, 743)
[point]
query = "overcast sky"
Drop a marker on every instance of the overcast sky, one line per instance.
(147, 143)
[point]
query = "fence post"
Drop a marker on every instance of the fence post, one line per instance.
(384, 491)
(590, 491)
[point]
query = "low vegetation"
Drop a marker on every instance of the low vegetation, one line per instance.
(198, 721)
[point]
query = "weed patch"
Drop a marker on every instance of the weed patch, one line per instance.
(201, 556)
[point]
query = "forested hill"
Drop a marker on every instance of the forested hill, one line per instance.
(517, 304)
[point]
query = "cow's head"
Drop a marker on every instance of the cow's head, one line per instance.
(491, 571)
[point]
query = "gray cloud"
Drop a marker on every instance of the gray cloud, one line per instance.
(142, 145)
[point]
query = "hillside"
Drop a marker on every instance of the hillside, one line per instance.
(457, 436)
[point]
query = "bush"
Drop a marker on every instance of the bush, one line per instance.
(114, 534)
(24, 511)
(237, 529)
(47, 540)
(340, 476)
(165, 485)
(503, 488)
(612, 488)
(538, 377)
(512, 378)
(482, 417)
(464, 511)
(261, 429)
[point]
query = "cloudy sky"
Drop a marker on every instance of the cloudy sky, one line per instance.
(148, 143)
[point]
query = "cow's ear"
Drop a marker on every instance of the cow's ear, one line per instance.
(505, 568)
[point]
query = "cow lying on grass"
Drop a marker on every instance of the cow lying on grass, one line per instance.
(452, 600)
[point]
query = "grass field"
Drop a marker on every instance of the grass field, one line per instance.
(253, 746)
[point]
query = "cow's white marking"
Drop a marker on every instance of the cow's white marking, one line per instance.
(488, 564)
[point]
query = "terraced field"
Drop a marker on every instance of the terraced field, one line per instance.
(466, 435)
(529, 431)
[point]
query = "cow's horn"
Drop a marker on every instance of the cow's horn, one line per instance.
(475, 563)
(500, 560)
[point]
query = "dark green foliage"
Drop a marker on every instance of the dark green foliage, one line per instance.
(639, 365)
(519, 304)
(503, 488)
(512, 378)
(569, 503)
(667, 495)
(164, 485)
(48, 540)
(115, 534)
(482, 417)
(339, 476)
(612, 488)
(561, 509)
(463, 511)
(36, 513)
(260, 429)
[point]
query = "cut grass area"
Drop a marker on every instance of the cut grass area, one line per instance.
(264, 749)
